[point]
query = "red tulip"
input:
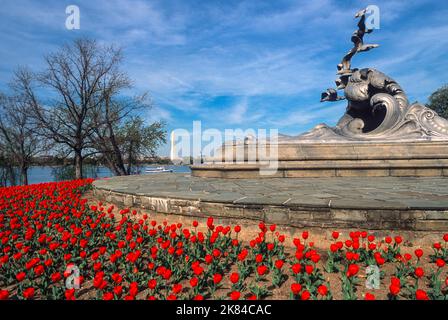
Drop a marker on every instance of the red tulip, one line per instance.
(217, 278)
(419, 272)
(296, 288)
(177, 288)
(4, 294)
(279, 264)
(440, 263)
(352, 270)
(234, 277)
(305, 295)
(322, 290)
(235, 295)
(261, 270)
(309, 269)
(55, 277)
(20, 276)
(394, 289)
(421, 295)
(28, 293)
(118, 290)
(108, 296)
(369, 296)
(418, 253)
(69, 294)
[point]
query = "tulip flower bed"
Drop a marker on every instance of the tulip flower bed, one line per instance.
(48, 230)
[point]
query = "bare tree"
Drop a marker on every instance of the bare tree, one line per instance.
(77, 79)
(19, 139)
(121, 137)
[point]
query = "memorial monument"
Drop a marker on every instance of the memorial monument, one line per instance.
(402, 148)
(380, 134)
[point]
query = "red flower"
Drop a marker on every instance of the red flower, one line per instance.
(322, 290)
(194, 282)
(133, 289)
(305, 295)
(55, 277)
(237, 229)
(315, 258)
(296, 268)
(296, 288)
(177, 288)
(395, 281)
(4, 294)
(70, 294)
(235, 295)
(39, 270)
(418, 253)
(398, 239)
(352, 270)
(279, 264)
(20, 276)
(419, 272)
(117, 278)
(152, 284)
(309, 269)
(198, 297)
(210, 223)
(108, 296)
(198, 270)
(394, 289)
(28, 293)
(305, 235)
(421, 295)
(369, 296)
(118, 290)
(440, 263)
(217, 278)
(261, 270)
(208, 258)
(234, 277)
(335, 235)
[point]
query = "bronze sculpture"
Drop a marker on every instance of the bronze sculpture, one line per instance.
(377, 106)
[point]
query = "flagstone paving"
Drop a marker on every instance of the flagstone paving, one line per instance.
(380, 192)
(419, 204)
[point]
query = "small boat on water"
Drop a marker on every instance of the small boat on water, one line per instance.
(157, 170)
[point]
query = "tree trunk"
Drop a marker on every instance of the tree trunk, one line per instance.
(78, 164)
(24, 175)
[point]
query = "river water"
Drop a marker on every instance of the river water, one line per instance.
(47, 174)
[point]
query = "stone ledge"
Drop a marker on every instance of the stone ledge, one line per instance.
(322, 217)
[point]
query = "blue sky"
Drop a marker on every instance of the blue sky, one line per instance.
(238, 64)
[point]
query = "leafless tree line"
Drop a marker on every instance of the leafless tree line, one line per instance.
(76, 105)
